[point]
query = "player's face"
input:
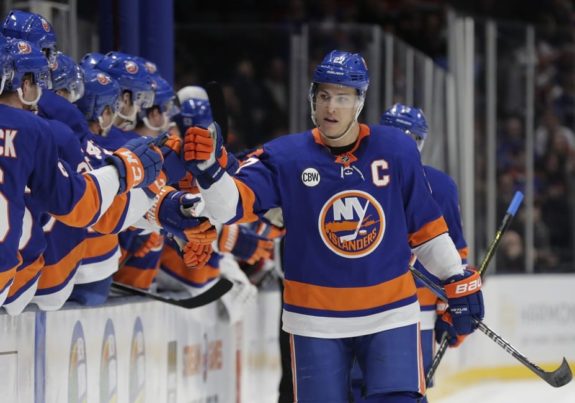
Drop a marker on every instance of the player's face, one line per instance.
(106, 118)
(335, 108)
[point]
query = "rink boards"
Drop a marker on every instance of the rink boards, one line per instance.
(141, 352)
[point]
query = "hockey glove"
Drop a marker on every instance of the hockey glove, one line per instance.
(153, 241)
(244, 244)
(203, 234)
(465, 300)
(444, 324)
(205, 154)
(196, 255)
(168, 211)
(138, 163)
(171, 146)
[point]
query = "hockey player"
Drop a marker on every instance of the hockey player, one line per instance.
(444, 191)
(351, 196)
(29, 158)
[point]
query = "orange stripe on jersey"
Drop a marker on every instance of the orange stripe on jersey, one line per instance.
(293, 365)
(100, 245)
(426, 296)
(110, 219)
(135, 277)
(463, 252)
(348, 299)
(25, 274)
(8, 275)
(172, 261)
(248, 199)
(427, 232)
(87, 207)
(57, 273)
(420, 369)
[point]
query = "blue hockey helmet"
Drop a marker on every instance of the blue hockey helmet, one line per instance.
(100, 91)
(31, 27)
(91, 59)
(131, 76)
(342, 68)
(24, 58)
(68, 76)
(409, 119)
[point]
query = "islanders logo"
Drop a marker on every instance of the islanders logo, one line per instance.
(138, 364)
(352, 224)
(131, 67)
(108, 366)
(24, 48)
(103, 79)
(77, 367)
(45, 25)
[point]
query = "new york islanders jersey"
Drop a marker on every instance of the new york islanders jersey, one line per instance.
(351, 221)
(28, 156)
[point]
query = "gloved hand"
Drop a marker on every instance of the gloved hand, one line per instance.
(244, 243)
(171, 147)
(138, 163)
(168, 211)
(205, 154)
(465, 300)
(196, 255)
(154, 240)
(444, 324)
(203, 234)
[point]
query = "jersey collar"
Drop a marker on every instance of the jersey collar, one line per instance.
(347, 158)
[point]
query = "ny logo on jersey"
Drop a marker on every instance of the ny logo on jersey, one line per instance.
(352, 223)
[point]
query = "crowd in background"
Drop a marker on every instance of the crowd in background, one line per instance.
(252, 59)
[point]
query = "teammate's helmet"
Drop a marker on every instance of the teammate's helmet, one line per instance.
(194, 103)
(67, 75)
(24, 58)
(130, 76)
(91, 59)
(411, 120)
(343, 68)
(100, 90)
(31, 27)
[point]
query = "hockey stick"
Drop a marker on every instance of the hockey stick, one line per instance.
(561, 376)
(215, 292)
(511, 211)
(218, 105)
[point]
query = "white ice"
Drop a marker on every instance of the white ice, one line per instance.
(528, 391)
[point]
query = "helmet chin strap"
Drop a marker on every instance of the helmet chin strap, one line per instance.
(29, 103)
(161, 128)
(105, 128)
(129, 120)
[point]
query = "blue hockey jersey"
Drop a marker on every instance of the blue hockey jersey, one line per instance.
(29, 157)
(351, 221)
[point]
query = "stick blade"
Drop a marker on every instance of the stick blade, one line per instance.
(560, 377)
(215, 292)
